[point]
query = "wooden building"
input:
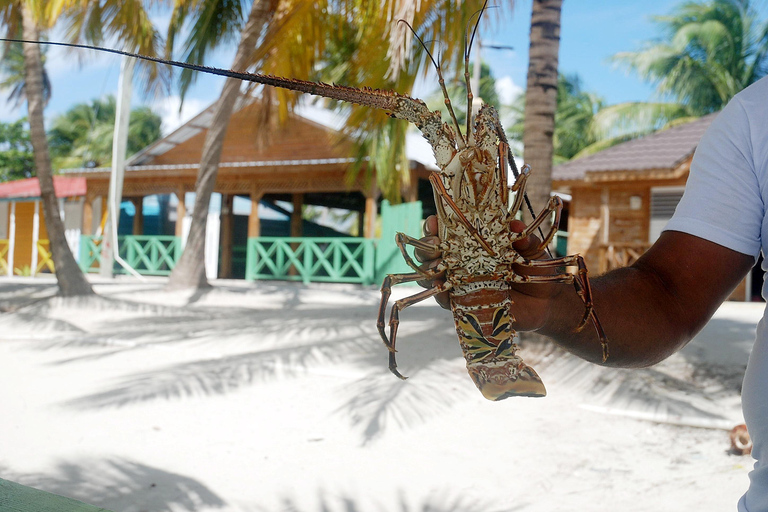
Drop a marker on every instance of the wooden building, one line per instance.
(622, 197)
(24, 246)
(302, 162)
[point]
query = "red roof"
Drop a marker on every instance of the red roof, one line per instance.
(30, 188)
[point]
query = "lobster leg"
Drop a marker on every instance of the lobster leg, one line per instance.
(518, 187)
(401, 239)
(503, 164)
(554, 227)
(394, 318)
(386, 291)
(580, 282)
(555, 204)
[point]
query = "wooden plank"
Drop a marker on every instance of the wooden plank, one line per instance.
(20, 498)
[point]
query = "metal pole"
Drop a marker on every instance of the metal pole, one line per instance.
(109, 246)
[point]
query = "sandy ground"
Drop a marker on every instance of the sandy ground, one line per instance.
(276, 397)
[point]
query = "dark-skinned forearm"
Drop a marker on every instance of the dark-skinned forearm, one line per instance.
(642, 319)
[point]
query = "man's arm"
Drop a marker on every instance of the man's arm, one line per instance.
(650, 309)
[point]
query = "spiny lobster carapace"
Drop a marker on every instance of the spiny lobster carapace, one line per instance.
(474, 210)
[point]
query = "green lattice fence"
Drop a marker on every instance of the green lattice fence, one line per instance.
(148, 255)
(339, 260)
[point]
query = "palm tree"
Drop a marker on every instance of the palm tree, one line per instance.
(92, 20)
(71, 280)
(574, 118)
(288, 39)
(12, 66)
(82, 136)
(190, 270)
(541, 97)
(710, 51)
(16, 158)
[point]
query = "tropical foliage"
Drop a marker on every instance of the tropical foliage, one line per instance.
(16, 158)
(90, 20)
(709, 52)
(82, 136)
(574, 118)
(291, 39)
(457, 91)
(12, 75)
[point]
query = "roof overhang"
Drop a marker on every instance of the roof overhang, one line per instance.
(29, 188)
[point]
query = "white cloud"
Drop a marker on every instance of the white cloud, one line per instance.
(507, 90)
(168, 109)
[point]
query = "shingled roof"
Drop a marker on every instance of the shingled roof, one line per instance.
(662, 150)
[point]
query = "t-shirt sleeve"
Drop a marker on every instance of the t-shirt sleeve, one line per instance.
(722, 201)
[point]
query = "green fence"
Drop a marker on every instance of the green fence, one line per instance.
(401, 218)
(148, 255)
(318, 259)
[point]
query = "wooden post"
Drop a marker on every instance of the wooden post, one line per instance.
(138, 217)
(606, 216)
(361, 222)
(227, 235)
(35, 237)
(87, 228)
(11, 238)
(298, 202)
(254, 223)
(181, 211)
(370, 217)
(412, 194)
(104, 213)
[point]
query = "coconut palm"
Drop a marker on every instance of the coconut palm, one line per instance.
(288, 38)
(90, 20)
(12, 67)
(574, 118)
(83, 135)
(541, 97)
(16, 158)
(710, 51)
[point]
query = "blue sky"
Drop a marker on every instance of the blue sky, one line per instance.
(592, 31)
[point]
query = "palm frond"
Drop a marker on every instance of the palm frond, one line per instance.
(633, 119)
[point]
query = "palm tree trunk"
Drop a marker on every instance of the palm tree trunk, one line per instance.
(71, 279)
(541, 98)
(190, 271)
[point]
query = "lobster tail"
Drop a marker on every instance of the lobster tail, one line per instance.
(502, 379)
(487, 342)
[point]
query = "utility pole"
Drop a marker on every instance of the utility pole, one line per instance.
(109, 247)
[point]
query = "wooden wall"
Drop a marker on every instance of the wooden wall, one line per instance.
(626, 226)
(628, 205)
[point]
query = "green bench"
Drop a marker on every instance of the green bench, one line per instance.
(20, 498)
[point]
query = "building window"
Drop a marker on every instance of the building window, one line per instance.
(663, 203)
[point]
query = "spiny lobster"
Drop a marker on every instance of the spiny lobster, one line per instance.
(472, 197)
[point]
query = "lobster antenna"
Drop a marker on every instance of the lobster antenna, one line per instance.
(440, 80)
(468, 42)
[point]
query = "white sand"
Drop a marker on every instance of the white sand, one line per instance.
(276, 397)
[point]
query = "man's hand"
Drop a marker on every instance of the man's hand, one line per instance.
(536, 294)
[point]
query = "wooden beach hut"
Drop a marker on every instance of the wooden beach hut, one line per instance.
(622, 197)
(24, 245)
(303, 162)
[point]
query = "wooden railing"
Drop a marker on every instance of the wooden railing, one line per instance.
(148, 255)
(338, 260)
(619, 254)
(44, 257)
(4, 257)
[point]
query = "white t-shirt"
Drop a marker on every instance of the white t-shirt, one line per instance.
(725, 202)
